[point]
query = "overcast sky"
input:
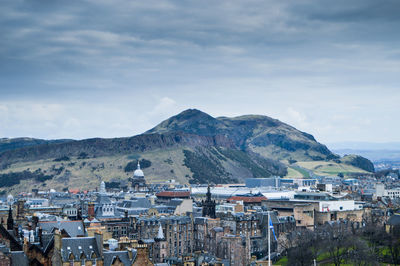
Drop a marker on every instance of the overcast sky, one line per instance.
(79, 69)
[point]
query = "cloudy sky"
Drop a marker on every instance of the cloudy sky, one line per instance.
(96, 68)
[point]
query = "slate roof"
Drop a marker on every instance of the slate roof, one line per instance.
(135, 203)
(394, 220)
(218, 229)
(201, 220)
(14, 244)
(18, 258)
(103, 199)
(174, 202)
(166, 219)
(174, 194)
(111, 256)
(73, 228)
(77, 246)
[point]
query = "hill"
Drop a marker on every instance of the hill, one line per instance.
(260, 134)
(192, 147)
(15, 143)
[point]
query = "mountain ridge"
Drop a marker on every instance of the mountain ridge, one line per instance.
(252, 132)
(192, 147)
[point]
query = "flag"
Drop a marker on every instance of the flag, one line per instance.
(271, 227)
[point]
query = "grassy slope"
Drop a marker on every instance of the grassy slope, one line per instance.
(165, 164)
(293, 173)
(88, 173)
(330, 168)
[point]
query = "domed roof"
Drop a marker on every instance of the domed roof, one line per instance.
(102, 187)
(10, 198)
(138, 173)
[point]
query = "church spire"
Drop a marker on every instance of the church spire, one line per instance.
(10, 220)
(209, 205)
(160, 234)
(208, 193)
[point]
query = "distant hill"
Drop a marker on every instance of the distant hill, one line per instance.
(260, 134)
(191, 147)
(16, 143)
(362, 145)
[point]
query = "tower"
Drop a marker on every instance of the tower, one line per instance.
(10, 220)
(138, 181)
(160, 246)
(208, 205)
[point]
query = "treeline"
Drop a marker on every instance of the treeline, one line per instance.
(14, 178)
(344, 243)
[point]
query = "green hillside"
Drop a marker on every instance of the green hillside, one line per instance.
(331, 168)
(191, 147)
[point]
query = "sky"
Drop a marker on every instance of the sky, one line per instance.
(96, 68)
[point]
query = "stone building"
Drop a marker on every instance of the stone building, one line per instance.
(177, 231)
(138, 182)
(208, 205)
(158, 248)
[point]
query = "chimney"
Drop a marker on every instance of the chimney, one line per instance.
(79, 213)
(26, 245)
(57, 240)
(35, 221)
(142, 254)
(91, 209)
(40, 232)
(21, 210)
(126, 213)
(99, 242)
(130, 255)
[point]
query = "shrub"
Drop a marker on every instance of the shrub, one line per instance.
(62, 158)
(132, 165)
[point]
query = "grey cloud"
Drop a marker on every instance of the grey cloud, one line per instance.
(263, 56)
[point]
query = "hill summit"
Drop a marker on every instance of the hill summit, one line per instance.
(260, 134)
(190, 147)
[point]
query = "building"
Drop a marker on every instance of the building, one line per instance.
(249, 200)
(177, 232)
(315, 208)
(208, 205)
(166, 196)
(138, 181)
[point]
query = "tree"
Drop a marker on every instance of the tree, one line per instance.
(392, 241)
(361, 254)
(337, 241)
(300, 247)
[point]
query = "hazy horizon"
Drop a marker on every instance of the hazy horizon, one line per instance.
(82, 69)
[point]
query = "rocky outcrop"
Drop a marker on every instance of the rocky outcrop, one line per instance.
(261, 134)
(358, 161)
(98, 147)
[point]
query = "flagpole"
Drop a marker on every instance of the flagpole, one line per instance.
(269, 242)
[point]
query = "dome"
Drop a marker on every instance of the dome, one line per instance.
(10, 198)
(138, 172)
(102, 187)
